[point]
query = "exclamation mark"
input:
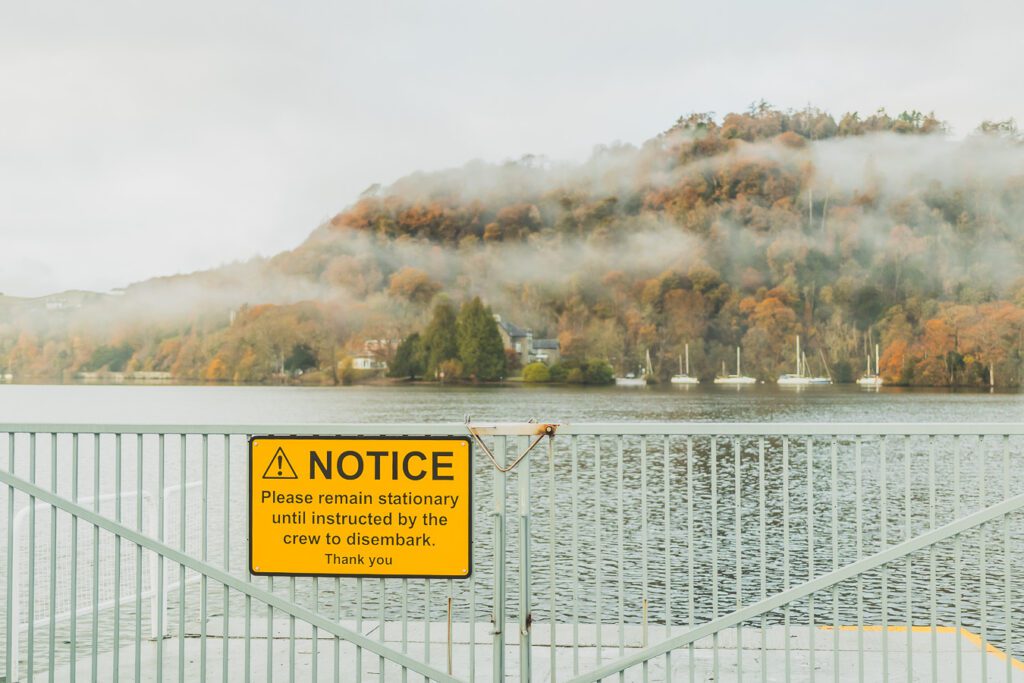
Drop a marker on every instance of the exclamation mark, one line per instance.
(280, 465)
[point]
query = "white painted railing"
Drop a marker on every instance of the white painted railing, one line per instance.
(627, 550)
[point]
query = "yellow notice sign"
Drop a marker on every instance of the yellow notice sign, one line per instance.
(360, 506)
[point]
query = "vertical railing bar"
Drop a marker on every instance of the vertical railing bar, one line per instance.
(689, 551)
(643, 553)
(138, 558)
(1007, 581)
(94, 650)
(160, 604)
(525, 599)
(957, 559)
(982, 558)
(30, 657)
(337, 618)
(737, 490)
(73, 641)
(248, 620)
(381, 595)
(763, 569)
(907, 473)
(204, 540)
(620, 526)
(226, 635)
(884, 542)
(9, 654)
(714, 552)
(247, 646)
(183, 476)
(785, 556)
(472, 590)
(575, 557)
(405, 625)
(598, 592)
(859, 516)
(117, 556)
(315, 649)
(668, 554)
(551, 559)
(810, 556)
(498, 517)
(934, 615)
(451, 608)
(426, 622)
(291, 633)
(834, 461)
(359, 628)
(270, 633)
(52, 633)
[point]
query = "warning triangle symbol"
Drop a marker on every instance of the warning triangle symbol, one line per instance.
(279, 467)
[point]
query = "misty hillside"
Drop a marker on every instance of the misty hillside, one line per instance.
(741, 231)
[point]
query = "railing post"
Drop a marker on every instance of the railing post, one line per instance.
(498, 618)
(525, 616)
(14, 588)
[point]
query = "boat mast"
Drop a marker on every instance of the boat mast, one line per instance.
(798, 369)
(876, 360)
(687, 359)
(738, 373)
(824, 364)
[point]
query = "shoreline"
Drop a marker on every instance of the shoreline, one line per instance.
(518, 383)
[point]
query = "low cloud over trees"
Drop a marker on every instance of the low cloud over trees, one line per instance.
(741, 231)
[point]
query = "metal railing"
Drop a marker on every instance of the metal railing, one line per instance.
(73, 600)
(630, 551)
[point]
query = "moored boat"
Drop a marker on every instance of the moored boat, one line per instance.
(738, 378)
(871, 380)
(684, 377)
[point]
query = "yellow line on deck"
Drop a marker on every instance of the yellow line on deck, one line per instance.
(968, 635)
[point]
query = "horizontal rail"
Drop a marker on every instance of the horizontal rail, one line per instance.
(564, 428)
(89, 516)
(850, 571)
(650, 505)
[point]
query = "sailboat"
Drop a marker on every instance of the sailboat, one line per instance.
(798, 379)
(636, 380)
(801, 378)
(819, 379)
(871, 380)
(738, 378)
(684, 377)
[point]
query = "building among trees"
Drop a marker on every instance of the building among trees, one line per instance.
(520, 341)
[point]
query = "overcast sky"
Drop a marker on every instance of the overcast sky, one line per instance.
(141, 139)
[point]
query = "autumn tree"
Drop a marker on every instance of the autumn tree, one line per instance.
(413, 285)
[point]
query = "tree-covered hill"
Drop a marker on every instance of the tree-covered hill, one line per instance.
(741, 231)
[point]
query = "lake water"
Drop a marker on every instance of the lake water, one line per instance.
(700, 510)
(425, 403)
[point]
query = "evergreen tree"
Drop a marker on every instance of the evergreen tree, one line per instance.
(439, 339)
(480, 348)
(408, 360)
(302, 357)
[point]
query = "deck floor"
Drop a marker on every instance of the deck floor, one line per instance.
(851, 667)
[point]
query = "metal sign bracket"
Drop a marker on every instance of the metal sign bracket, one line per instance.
(538, 430)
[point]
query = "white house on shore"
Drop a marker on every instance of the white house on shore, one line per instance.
(368, 363)
(375, 354)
